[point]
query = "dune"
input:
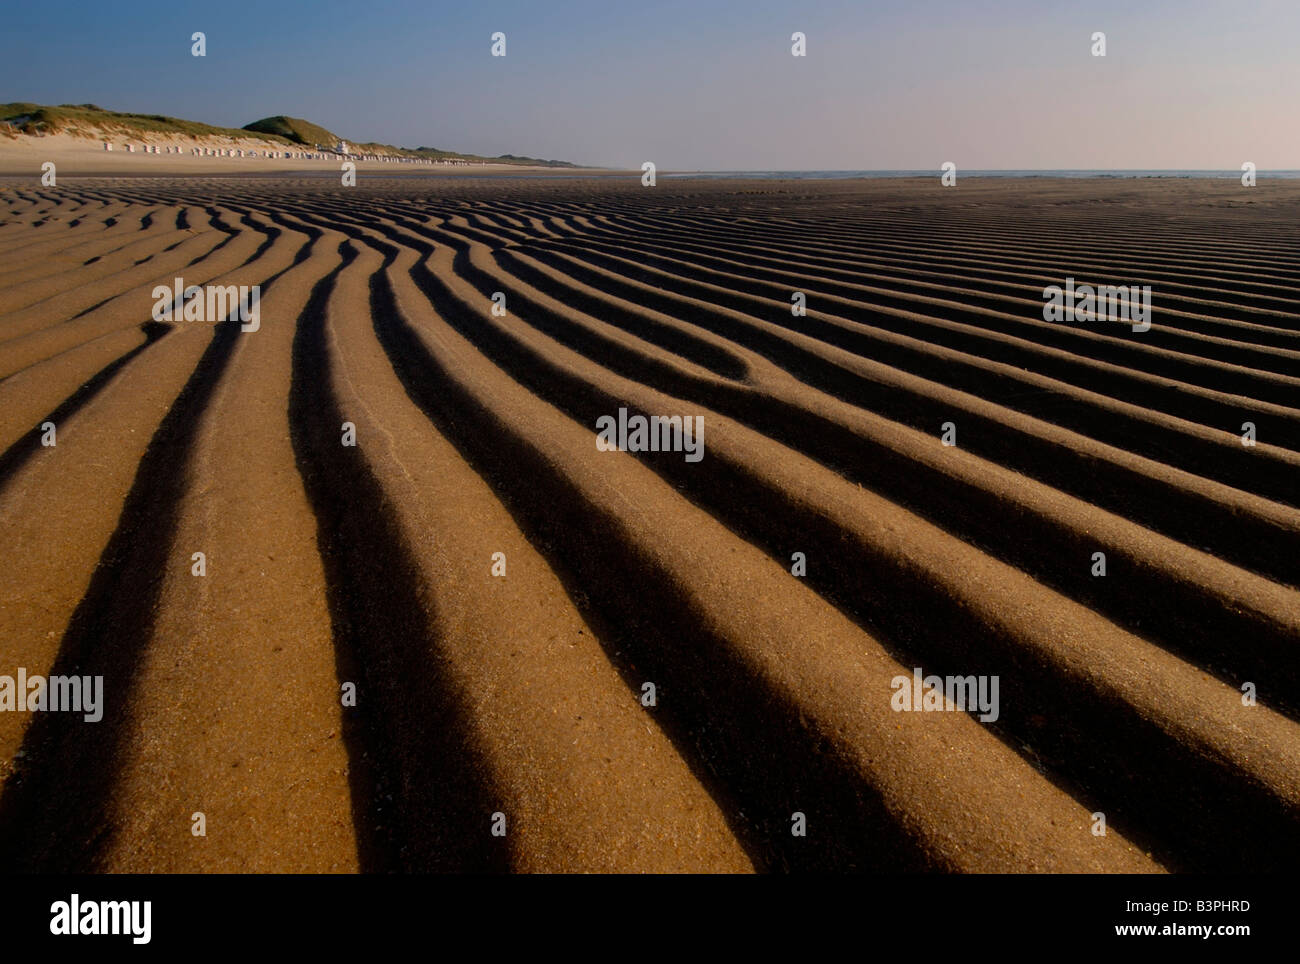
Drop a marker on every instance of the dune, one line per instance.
(567, 659)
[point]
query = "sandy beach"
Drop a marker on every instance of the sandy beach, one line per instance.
(79, 155)
(429, 605)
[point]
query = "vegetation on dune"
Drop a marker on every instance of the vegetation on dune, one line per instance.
(433, 152)
(87, 119)
(294, 129)
(516, 159)
(90, 120)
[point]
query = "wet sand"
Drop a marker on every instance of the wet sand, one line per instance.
(509, 691)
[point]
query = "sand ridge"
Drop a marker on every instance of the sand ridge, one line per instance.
(522, 695)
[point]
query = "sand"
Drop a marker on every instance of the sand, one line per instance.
(81, 154)
(499, 591)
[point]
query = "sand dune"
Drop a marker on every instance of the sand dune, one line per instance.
(524, 694)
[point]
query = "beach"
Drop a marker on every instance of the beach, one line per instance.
(85, 154)
(368, 589)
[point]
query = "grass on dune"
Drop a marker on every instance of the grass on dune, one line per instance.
(90, 121)
(87, 119)
(294, 129)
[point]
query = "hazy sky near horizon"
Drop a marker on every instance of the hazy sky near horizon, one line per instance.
(697, 84)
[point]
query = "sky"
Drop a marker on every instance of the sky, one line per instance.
(704, 84)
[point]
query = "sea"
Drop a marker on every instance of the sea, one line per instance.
(846, 175)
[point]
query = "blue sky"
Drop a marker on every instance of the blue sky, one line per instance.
(701, 84)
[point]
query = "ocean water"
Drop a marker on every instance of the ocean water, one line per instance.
(845, 175)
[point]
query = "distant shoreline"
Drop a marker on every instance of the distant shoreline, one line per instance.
(1061, 173)
(175, 155)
